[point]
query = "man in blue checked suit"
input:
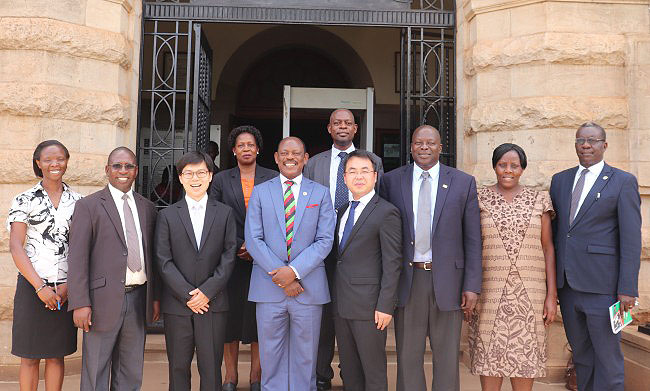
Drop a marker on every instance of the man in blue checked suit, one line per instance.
(289, 231)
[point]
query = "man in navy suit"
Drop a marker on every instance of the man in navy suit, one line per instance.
(441, 249)
(597, 234)
(289, 231)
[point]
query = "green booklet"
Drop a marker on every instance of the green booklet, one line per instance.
(618, 318)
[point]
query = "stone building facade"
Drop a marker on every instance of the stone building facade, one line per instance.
(527, 71)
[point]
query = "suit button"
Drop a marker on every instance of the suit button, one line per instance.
(411, 243)
(122, 281)
(125, 253)
(568, 235)
(410, 263)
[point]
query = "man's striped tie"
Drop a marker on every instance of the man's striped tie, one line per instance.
(289, 213)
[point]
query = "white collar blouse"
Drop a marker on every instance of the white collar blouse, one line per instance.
(46, 241)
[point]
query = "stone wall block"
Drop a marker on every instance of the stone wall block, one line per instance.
(73, 11)
(56, 36)
(549, 47)
(84, 169)
(52, 101)
(547, 112)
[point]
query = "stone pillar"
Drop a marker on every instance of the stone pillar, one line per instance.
(69, 72)
(530, 72)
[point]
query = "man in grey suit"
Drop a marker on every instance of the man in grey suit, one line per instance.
(111, 277)
(289, 231)
(597, 236)
(369, 252)
(442, 261)
(326, 168)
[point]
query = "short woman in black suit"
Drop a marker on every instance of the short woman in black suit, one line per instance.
(233, 187)
(38, 223)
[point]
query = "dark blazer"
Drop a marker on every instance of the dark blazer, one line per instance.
(97, 257)
(456, 234)
(601, 251)
(368, 266)
(318, 168)
(226, 188)
(182, 267)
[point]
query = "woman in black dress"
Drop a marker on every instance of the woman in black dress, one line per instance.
(38, 224)
(233, 187)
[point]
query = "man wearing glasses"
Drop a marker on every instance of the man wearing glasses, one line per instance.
(195, 254)
(369, 259)
(597, 234)
(112, 288)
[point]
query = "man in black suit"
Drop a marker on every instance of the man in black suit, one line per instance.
(441, 280)
(195, 241)
(369, 260)
(326, 168)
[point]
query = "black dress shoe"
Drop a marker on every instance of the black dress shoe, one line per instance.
(323, 385)
(257, 386)
(229, 387)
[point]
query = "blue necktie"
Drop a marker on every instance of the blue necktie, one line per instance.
(341, 193)
(349, 224)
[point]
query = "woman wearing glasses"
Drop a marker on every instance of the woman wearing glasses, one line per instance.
(38, 223)
(519, 296)
(233, 187)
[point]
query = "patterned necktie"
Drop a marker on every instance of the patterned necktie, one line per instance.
(423, 224)
(132, 241)
(341, 193)
(289, 213)
(575, 196)
(349, 225)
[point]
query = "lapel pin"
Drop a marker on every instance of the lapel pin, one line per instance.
(605, 177)
(444, 186)
(304, 193)
(597, 195)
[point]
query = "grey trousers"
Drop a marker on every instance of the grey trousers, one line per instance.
(116, 357)
(418, 319)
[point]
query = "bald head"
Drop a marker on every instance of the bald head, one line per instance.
(427, 128)
(121, 149)
(294, 139)
(342, 128)
(426, 146)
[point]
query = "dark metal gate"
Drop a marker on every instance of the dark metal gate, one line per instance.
(174, 105)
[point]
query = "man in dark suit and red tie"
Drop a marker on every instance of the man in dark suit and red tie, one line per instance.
(196, 240)
(442, 261)
(369, 260)
(111, 277)
(597, 234)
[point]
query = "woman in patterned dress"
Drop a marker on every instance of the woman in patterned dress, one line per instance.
(38, 224)
(519, 296)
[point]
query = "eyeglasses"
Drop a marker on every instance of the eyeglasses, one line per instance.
(123, 166)
(199, 174)
(591, 141)
(355, 172)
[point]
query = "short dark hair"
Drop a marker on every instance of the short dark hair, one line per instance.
(360, 153)
(594, 125)
(124, 149)
(194, 157)
(505, 148)
(37, 154)
(212, 147)
(304, 147)
(250, 129)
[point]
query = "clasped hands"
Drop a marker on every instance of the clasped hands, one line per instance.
(285, 278)
(199, 302)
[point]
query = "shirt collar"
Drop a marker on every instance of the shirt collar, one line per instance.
(336, 151)
(366, 198)
(296, 181)
(595, 169)
(191, 203)
(433, 171)
(117, 194)
(39, 186)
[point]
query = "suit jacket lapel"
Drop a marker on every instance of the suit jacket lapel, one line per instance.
(277, 197)
(444, 184)
(567, 190)
(362, 218)
(306, 188)
(324, 167)
(111, 209)
(142, 216)
(340, 213)
(598, 186)
(210, 213)
(184, 215)
(235, 185)
(407, 196)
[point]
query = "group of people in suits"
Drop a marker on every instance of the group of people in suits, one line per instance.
(328, 248)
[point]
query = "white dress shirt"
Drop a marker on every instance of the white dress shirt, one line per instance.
(139, 277)
(590, 178)
(197, 216)
(434, 175)
(363, 201)
(334, 170)
(295, 189)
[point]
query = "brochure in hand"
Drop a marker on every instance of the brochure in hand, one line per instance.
(618, 318)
